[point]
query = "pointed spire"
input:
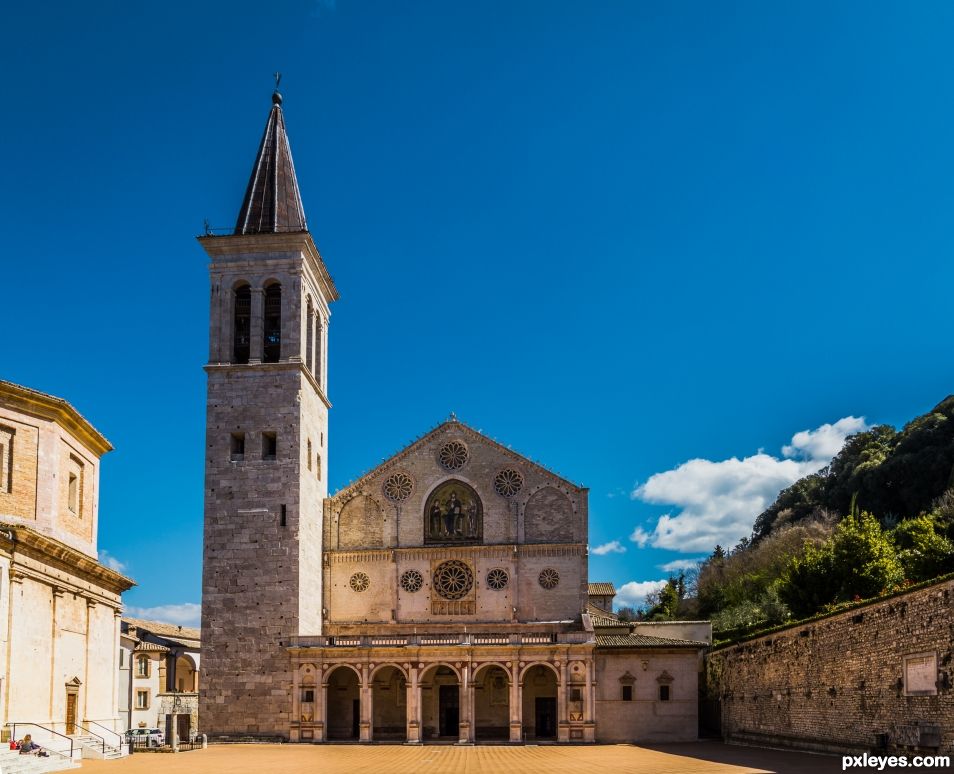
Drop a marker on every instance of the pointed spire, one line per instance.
(272, 201)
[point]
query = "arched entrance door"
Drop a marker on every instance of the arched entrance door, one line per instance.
(344, 704)
(540, 702)
(491, 703)
(389, 704)
(440, 703)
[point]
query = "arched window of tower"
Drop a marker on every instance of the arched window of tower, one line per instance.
(242, 324)
(272, 329)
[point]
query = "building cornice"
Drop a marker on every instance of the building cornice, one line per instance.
(17, 537)
(234, 245)
(36, 403)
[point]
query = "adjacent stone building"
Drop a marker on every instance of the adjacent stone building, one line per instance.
(442, 596)
(59, 607)
(159, 677)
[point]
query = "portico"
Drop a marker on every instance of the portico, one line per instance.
(453, 694)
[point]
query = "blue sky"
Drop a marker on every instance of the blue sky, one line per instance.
(644, 243)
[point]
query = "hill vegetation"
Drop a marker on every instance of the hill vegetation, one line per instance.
(878, 518)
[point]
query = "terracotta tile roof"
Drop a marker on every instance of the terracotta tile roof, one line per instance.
(272, 201)
(601, 590)
(151, 646)
(603, 619)
(167, 630)
(644, 641)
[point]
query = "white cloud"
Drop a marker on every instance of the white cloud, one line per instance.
(613, 547)
(824, 442)
(111, 561)
(633, 594)
(718, 501)
(677, 565)
(186, 614)
(640, 537)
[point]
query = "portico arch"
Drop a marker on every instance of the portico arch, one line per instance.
(491, 696)
(440, 686)
(388, 703)
(342, 686)
(540, 688)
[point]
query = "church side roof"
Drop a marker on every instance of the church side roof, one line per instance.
(645, 641)
(184, 634)
(603, 619)
(601, 590)
(272, 201)
(345, 492)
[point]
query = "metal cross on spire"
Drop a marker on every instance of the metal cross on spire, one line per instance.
(278, 79)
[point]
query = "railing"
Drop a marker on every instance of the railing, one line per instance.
(119, 736)
(48, 748)
(102, 741)
(427, 640)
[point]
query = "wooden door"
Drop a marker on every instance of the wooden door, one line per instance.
(449, 711)
(71, 713)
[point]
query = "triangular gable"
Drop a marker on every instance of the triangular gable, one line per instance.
(468, 433)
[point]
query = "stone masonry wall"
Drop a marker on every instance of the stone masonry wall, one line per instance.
(839, 682)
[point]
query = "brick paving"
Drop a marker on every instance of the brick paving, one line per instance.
(689, 758)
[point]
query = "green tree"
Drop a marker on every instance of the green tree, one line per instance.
(858, 561)
(663, 605)
(924, 552)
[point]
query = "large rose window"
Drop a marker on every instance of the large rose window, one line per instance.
(453, 579)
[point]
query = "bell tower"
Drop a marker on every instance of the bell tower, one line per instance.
(266, 459)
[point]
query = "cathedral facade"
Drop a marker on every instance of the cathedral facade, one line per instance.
(442, 596)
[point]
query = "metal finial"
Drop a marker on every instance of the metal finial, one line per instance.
(276, 96)
(278, 79)
(452, 417)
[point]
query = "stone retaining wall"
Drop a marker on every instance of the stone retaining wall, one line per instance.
(876, 676)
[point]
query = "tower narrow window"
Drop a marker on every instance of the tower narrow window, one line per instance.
(309, 337)
(309, 454)
(243, 324)
(320, 353)
(73, 496)
(318, 466)
(272, 333)
(237, 447)
(74, 486)
(269, 446)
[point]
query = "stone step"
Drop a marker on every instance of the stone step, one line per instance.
(11, 762)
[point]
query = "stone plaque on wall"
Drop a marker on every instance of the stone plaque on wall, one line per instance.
(920, 674)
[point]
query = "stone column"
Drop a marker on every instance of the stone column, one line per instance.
(257, 329)
(589, 730)
(516, 705)
(294, 731)
(364, 732)
(563, 726)
(321, 706)
(292, 299)
(465, 707)
(413, 702)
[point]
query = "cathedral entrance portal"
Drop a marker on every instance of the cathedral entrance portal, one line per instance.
(344, 703)
(492, 703)
(449, 711)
